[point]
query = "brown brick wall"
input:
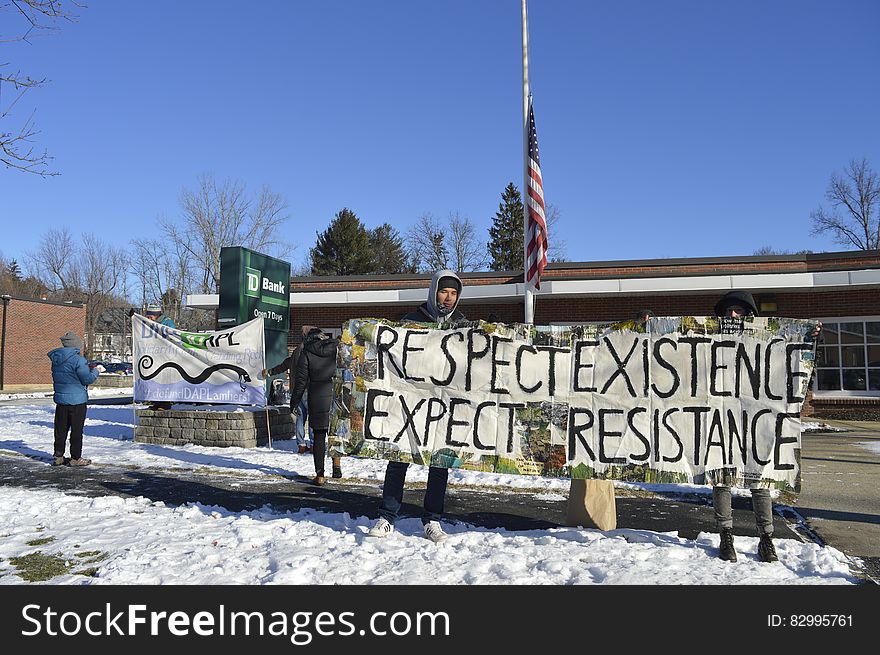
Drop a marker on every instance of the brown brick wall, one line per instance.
(33, 328)
(752, 265)
(607, 308)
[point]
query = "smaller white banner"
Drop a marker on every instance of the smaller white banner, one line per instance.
(177, 366)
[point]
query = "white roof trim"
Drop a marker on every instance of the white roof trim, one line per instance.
(820, 281)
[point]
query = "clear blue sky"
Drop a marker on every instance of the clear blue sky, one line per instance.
(667, 129)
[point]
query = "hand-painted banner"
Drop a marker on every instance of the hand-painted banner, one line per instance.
(693, 399)
(198, 367)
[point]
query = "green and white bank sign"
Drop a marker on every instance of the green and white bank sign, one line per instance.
(253, 285)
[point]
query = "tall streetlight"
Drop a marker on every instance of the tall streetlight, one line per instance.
(5, 298)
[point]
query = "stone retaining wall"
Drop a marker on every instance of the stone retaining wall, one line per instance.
(111, 380)
(204, 427)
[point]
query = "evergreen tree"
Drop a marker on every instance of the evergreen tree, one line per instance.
(389, 254)
(506, 234)
(343, 248)
(14, 269)
(438, 256)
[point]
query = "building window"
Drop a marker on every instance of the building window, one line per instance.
(848, 358)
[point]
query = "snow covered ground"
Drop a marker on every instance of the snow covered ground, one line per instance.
(138, 541)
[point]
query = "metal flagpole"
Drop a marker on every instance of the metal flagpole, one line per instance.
(529, 307)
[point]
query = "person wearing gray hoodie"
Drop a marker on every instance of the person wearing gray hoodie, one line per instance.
(71, 375)
(441, 308)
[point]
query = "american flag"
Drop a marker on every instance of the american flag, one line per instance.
(536, 235)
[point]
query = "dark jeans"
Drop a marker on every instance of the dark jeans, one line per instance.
(69, 418)
(392, 492)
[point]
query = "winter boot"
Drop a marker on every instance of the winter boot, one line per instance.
(320, 480)
(58, 460)
(727, 551)
(80, 461)
(303, 449)
(337, 467)
(766, 549)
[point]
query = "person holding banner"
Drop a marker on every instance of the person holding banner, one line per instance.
(733, 308)
(441, 308)
(154, 313)
(313, 373)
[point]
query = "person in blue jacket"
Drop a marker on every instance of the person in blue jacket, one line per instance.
(155, 313)
(71, 375)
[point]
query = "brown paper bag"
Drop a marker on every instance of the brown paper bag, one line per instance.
(591, 504)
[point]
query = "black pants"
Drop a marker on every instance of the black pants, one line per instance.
(69, 418)
(319, 445)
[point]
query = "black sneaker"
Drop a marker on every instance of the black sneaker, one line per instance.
(727, 551)
(766, 549)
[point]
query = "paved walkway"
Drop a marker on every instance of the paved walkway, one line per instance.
(840, 489)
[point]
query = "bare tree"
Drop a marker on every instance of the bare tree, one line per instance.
(433, 245)
(99, 270)
(219, 215)
(35, 17)
(770, 250)
(53, 262)
(555, 244)
(91, 272)
(852, 219)
(426, 244)
(466, 251)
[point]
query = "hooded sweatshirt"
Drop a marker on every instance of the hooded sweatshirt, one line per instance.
(429, 312)
(314, 373)
(70, 376)
(743, 298)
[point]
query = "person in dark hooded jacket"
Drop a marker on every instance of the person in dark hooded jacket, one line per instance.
(314, 369)
(733, 308)
(71, 375)
(441, 308)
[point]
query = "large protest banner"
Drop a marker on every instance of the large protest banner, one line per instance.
(173, 365)
(693, 399)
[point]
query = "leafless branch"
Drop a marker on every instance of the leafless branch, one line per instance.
(852, 219)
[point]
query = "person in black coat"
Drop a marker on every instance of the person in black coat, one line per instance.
(313, 372)
(733, 307)
(441, 307)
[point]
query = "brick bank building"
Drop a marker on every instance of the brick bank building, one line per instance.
(841, 289)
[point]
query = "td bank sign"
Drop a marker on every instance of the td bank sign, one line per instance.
(256, 284)
(253, 285)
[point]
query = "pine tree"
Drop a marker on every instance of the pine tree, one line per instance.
(506, 234)
(438, 256)
(343, 248)
(389, 254)
(14, 269)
